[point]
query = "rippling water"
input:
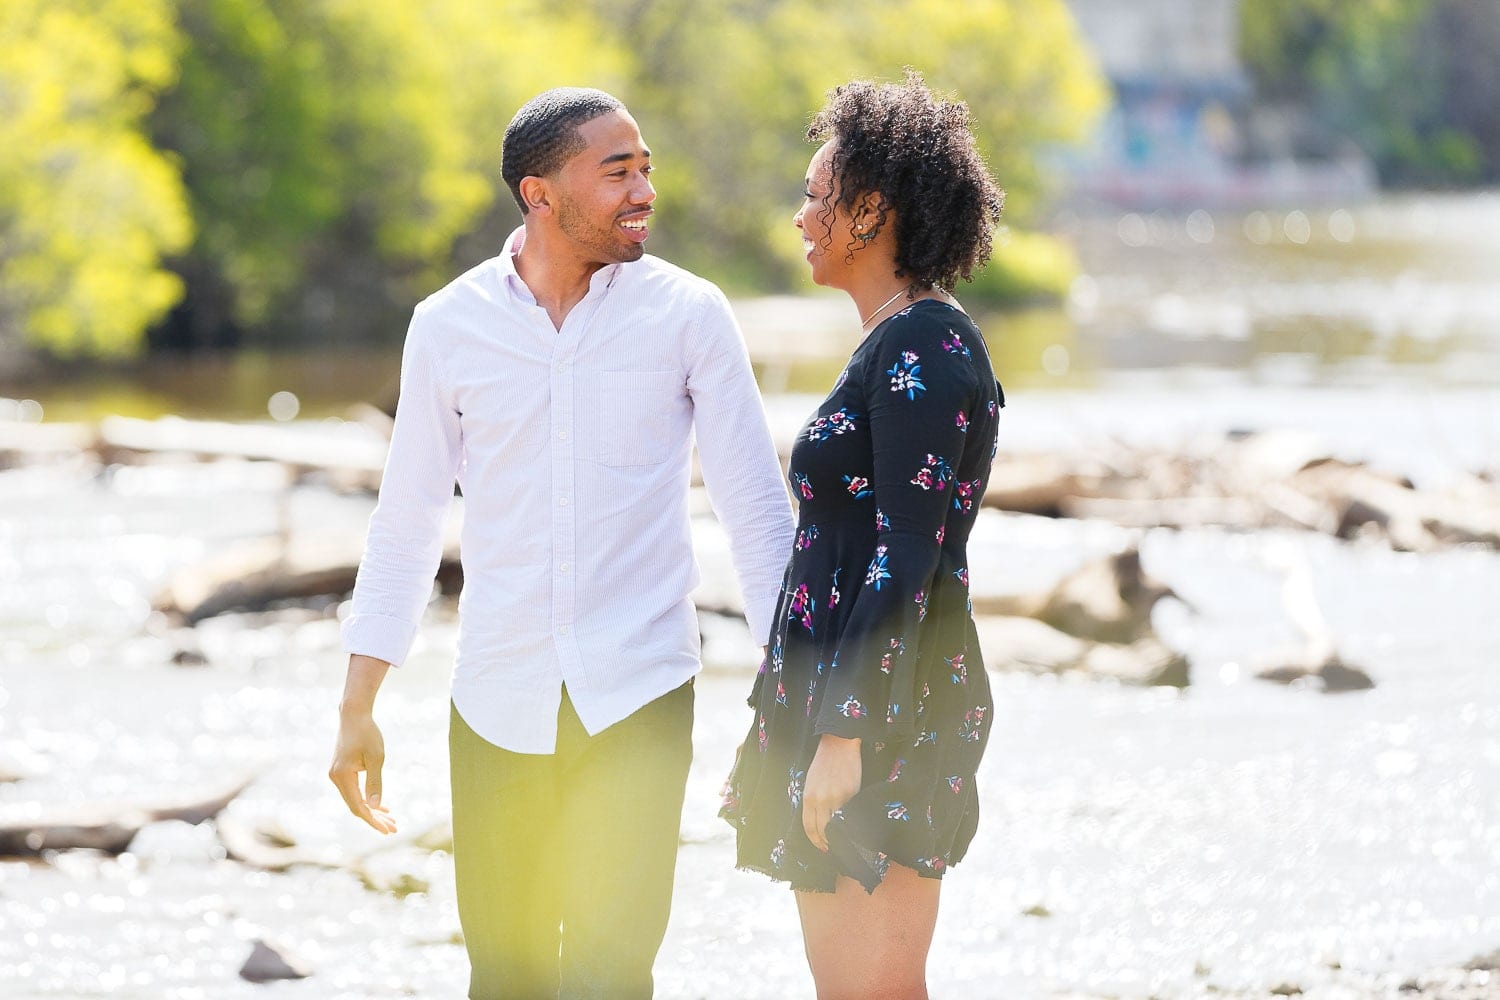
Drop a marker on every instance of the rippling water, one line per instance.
(1135, 843)
(1237, 835)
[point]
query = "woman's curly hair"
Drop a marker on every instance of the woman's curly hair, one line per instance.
(917, 152)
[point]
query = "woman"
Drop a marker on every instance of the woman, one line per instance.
(856, 782)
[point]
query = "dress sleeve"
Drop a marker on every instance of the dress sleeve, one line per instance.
(919, 387)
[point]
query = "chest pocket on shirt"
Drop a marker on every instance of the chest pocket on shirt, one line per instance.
(631, 416)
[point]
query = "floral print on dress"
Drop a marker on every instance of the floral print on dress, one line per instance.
(935, 474)
(960, 673)
(840, 421)
(905, 375)
(954, 344)
(963, 495)
(908, 421)
(888, 658)
(801, 607)
(850, 708)
(879, 570)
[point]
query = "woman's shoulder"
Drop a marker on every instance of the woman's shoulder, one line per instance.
(929, 328)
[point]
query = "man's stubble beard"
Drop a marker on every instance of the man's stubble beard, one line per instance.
(605, 245)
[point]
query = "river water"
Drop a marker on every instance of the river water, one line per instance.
(1231, 838)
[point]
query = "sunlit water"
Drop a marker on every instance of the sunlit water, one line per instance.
(1135, 842)
(1236, 836)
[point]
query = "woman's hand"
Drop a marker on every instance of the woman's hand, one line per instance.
(832, 779)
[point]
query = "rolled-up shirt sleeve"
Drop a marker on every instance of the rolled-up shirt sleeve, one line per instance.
(738, 459)
(404, 544)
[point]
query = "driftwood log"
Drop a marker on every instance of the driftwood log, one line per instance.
(28, 830)
(349, 459)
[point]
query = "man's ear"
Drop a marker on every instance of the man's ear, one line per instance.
(537, 194)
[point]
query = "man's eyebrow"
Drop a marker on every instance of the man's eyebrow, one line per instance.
(621, 157)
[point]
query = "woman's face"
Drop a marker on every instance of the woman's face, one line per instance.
(826, 228)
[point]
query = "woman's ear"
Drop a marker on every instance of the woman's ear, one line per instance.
(866, 214)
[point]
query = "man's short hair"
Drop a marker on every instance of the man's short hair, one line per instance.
(544, 133)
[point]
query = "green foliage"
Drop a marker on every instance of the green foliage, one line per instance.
(723, 92)
(1413, 82)
(1025, 267)
(339, 158)
(87, 205)
(335, 151)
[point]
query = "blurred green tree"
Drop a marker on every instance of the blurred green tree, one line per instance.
(334, 151)
(722, 91)
(1412, 82)
(87, 206)
(341, 157)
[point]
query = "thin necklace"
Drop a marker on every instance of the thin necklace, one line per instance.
(866, 321)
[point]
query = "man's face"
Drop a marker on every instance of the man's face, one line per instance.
(604, 194)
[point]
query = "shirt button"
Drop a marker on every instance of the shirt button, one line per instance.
(564, 567)
(562, 435)
(561, 368)
(562, 630)
(562, 501)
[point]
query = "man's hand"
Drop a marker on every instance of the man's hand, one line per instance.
(832, 779)
(360, 747)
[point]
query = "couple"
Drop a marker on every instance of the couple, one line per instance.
(559, 384)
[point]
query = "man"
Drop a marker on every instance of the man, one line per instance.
(559, 384)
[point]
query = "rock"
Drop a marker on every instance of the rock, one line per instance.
(1489, 962)
(1109, 600)
(1010, 643)
(267, 963)
(1145, 662)
(1013, 643)
(188, 654)
(1286, 990)
(1329, 673)
(1339, 676)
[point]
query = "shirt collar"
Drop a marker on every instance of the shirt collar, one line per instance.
(511, 278)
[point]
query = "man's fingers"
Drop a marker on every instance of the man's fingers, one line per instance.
(346, 780)
(372, 783)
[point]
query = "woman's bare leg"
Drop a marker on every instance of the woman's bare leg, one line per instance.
(871, 946)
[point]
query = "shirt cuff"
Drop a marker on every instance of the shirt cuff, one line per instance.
(759, 618)
(381, 636)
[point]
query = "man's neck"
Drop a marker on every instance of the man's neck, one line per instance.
(557, 278)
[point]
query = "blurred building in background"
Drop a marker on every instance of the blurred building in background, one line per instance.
(1186, 128)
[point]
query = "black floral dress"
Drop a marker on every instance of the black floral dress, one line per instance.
(875, 634)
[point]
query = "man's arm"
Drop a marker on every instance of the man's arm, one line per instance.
(402, 551)
(360, 747)
(739, 461)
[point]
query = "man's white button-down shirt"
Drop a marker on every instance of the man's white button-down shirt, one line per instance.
(571, 448)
